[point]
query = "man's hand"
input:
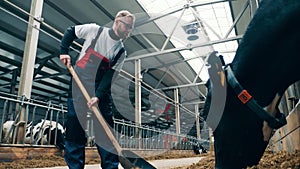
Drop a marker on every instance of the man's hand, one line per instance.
(65, 59)
(94, 101)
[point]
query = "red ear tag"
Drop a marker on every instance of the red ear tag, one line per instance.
(244, 96)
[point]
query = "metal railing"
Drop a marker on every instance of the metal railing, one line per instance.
(128, 134)
(45, 114)
(146, 137)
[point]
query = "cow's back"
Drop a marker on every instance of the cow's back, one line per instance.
(266, 62)
(267, 59)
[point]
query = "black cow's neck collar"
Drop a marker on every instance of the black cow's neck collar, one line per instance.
(246, 98)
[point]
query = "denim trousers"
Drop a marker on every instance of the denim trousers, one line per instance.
(76, 137)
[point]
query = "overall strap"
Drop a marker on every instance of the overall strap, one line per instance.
(93, 43)
(116, 58)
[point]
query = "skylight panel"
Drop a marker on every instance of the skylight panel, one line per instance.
(213, 22)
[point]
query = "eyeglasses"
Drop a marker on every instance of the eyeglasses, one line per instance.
(128, 26)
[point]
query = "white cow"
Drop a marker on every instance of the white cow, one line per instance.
(5, 131)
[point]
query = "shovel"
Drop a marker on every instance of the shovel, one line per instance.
(127, 158)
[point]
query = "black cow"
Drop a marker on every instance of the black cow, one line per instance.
(267, 61)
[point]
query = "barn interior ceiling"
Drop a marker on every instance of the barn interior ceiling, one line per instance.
(172, 41)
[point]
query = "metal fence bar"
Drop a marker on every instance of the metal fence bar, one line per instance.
(151, 137)
(35, 111)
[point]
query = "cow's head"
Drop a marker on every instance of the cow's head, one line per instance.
(266, 63)
(45, 130)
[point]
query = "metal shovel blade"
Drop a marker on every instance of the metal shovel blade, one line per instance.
(134, 159)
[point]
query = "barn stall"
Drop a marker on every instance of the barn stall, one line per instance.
(172, 85)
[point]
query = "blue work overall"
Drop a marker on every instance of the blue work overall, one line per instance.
(90, 70)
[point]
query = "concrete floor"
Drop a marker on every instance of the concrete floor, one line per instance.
(159, 164)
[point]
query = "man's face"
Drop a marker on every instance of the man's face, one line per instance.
(124, 26)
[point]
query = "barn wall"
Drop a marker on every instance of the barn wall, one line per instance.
(243, 22)
(287, 138)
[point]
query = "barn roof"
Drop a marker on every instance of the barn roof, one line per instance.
(171, 38)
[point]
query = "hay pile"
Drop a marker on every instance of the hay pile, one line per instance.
(270, 160)
(280, 160)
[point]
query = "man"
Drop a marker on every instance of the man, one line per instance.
(101, 56)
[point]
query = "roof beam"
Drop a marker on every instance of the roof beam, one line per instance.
(151, 19)
(188, 47)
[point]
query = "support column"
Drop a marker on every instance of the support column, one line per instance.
(10, 114)
(211, 140)
(138, 109)
(177, 113)
(29, 56)
(197, 121)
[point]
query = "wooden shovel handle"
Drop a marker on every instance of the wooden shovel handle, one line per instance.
(136, 161)
(96, 111)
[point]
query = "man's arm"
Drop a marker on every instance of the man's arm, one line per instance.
(102, 88)
(105, 84)
(68, 38)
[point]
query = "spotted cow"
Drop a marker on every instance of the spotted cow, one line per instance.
(44, 132)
